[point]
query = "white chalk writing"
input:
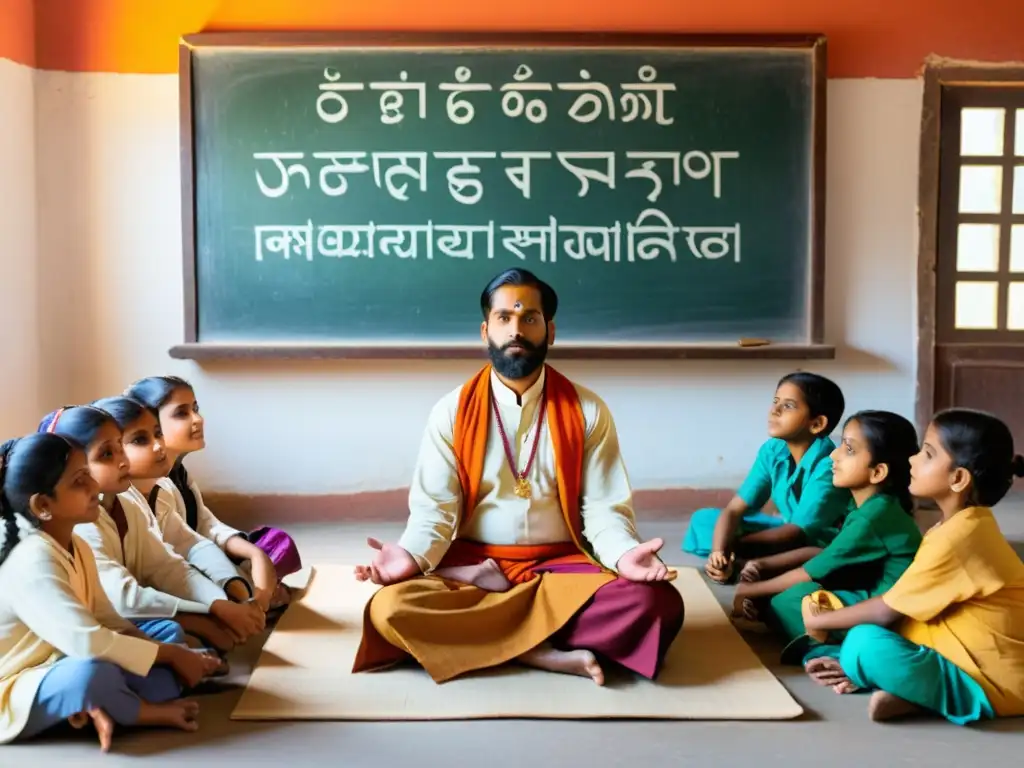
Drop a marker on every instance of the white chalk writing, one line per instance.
(586, 174)
(461, 111)
(393, 98)
(637, 103)
(650, 237)
(514, 104)
(331, 106)
(338, 170)
(286, 171)
(593, 99)
(717, 243)
(285, 240)
(393, 171)
(402, 167)
(520, 175)
(646, 170)
(698, 165)
(457, 185)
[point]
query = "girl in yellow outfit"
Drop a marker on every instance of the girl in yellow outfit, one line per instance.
(956, 646)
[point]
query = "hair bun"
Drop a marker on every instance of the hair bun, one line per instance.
(1017, 466)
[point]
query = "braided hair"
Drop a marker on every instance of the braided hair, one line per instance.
(29, 466)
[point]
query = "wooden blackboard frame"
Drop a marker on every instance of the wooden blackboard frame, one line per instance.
(194, 349)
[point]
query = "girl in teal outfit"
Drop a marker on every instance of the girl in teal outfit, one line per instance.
(794, 470)
(876, 545)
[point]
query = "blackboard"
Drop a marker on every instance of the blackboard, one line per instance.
(354, 193)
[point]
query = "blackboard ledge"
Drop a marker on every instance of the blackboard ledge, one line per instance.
(208, 352)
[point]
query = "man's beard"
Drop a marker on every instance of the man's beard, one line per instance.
(517, 365)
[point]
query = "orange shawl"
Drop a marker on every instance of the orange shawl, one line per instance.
(564, 418)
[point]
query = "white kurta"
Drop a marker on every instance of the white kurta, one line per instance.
(169, 520)
(51, 606)
(501, 517)
(207, 525)
(143, 577)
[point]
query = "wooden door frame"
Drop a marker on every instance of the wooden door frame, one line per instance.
(937, 73)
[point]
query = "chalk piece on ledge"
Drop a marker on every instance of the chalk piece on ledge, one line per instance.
(754, 342)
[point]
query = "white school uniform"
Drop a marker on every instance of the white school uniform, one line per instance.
(52, 606)
(143, 577)
(207, 524)
(201, 552)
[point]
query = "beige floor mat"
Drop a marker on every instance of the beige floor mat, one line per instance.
(303, 673)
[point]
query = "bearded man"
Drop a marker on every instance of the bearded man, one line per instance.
(521, 543)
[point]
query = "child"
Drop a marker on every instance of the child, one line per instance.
(270, 552)
(876, 544)
(142, 577)
(956, 643)
(65, 653)
(143, 445)
(793, 469)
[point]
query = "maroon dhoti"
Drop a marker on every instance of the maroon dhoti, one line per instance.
(627, 622)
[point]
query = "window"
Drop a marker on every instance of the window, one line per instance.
(980, 260)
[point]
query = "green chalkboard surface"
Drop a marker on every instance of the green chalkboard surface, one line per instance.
(356, 191)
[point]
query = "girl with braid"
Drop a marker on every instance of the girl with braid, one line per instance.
(65, 653)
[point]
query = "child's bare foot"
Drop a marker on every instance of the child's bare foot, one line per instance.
(104, 728)
(486, 575)
(582, 663)
(884, 706)
(825, 670)
(103, 722)
(751, 571)
(180, 713)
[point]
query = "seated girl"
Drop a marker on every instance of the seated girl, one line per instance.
(65, 653)
(142, 577)
(948, 637)
(794, 470)
(143, 445)
(269, 553)
(876, 544)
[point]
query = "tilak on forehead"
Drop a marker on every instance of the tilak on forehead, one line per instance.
(517, 305)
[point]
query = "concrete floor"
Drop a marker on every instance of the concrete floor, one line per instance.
(834, 732)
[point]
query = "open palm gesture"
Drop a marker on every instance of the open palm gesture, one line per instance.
(642, 563)
(390, 565)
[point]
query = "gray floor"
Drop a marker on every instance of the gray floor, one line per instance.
(833, 733)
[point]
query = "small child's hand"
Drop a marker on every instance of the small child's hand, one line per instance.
(743, 607)
(751, 572)
(719, 566)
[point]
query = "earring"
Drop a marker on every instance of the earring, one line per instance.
(45, 516)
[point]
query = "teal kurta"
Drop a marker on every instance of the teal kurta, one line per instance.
(803, 493)
(876, 544)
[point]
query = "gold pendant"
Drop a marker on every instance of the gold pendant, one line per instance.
(523, 488)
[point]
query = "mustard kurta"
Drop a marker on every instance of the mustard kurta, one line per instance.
(964, 598)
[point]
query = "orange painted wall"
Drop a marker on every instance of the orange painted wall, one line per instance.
(867, 38)
(17, 31)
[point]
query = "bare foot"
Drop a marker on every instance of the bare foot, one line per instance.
(101, 720)
(884, 706)
(825, 670)
(180, 713)
(751, 572)
(486, 575)
(582, 663)
(104, 728)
